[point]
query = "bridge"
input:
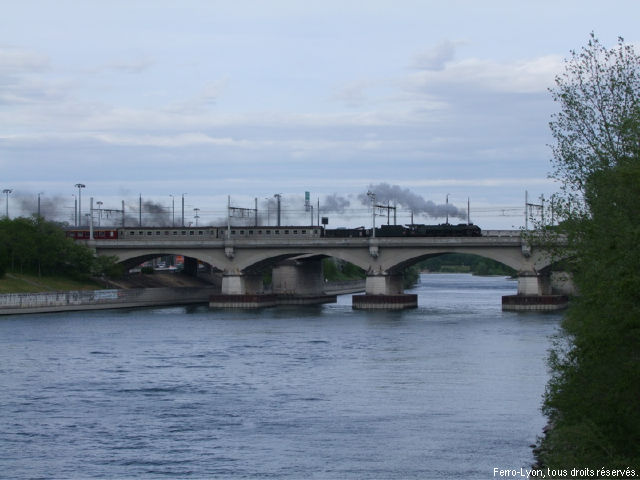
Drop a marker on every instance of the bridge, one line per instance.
(297, 269)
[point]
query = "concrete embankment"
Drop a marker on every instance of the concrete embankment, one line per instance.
(344, 287)
(14, 303)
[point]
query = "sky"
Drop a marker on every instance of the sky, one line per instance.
(441, 103)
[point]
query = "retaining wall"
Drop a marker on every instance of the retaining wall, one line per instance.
(13, 303)
(343, 287)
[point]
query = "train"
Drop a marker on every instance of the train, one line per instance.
(299, 231)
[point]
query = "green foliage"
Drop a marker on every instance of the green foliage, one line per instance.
(37, 246)
(33, 245)
(147, 270)
(107, 266)
(593, 397)
(336, 270)
(410, 276)
(597, 94)
(461, 263)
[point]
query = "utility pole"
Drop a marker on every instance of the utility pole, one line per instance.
(183, 208)
(39, 193)
(395, 210)
(372, 196)
(91, 219)
(278, 195)
(268, 199)
(140, 211)
(196, 216)
(526, 210)
(173, 211)
(256, 205)
(7, 191)
(447, 209)
(79, 186)
(468, 211)
(123, 213)
(100, 213)
(228, 216)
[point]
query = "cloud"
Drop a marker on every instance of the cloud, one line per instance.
(15, 60)
(352, 95)
(199, 102)
(135, 66)
(435, 58)
(18, 77)
(533, 75)
(176, 140)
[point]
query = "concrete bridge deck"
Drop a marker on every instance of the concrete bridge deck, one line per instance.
(296, 267)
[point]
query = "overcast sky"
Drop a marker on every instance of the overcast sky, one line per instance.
(252, 98)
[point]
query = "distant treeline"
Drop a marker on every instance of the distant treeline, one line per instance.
(338, 270)
(34, 245)
(464, 263)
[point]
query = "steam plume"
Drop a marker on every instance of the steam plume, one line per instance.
(405, 198)
(334, 204)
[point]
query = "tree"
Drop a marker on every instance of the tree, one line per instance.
(593, 397)
(37, 246)
(598, 93)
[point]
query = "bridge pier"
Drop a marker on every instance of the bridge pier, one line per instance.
(190, 266)
(241, 284)
(299, 282)
(385, 292)
(293, 283)
(241, 290)
(534, 294)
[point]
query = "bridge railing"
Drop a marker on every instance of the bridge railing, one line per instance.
(501, 233)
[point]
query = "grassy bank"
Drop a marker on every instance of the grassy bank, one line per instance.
(25, 283)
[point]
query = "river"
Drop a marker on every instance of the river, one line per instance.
(449, 390)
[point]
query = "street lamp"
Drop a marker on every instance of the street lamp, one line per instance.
(79, 186)
(99, 211)
(196, 216)
(7, 191)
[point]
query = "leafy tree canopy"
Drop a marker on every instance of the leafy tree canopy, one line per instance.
(593, 397)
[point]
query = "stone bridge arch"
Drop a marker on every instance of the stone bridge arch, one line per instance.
(411, 258)
(132, 258)
(250, 262)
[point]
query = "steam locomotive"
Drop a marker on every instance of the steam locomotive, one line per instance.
(410, 230)
(209, 233)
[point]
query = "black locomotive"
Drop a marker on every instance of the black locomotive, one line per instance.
(410, 230)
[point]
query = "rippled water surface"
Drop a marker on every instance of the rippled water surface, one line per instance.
(448, 390)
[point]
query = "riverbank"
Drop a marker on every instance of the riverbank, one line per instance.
(25, 283)
(21, 303)
(134, 291)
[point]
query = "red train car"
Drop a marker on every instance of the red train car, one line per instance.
(98, 234)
